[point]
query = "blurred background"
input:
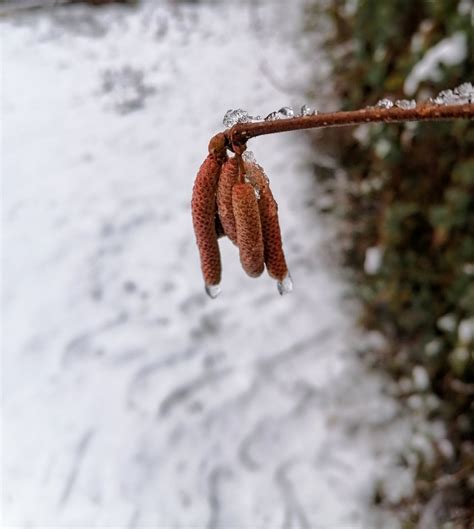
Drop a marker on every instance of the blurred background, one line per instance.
(129, 398)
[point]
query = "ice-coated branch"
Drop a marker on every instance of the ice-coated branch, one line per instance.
(240, 133)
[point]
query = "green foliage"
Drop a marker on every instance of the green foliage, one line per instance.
(421, 210)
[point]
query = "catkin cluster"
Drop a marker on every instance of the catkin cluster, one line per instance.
(232, 197)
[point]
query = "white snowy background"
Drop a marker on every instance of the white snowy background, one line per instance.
(129, 398)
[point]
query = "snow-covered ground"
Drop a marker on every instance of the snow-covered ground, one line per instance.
(130, 399)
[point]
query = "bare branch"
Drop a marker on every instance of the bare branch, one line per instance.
(239, 134)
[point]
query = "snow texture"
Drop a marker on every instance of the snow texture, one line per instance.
(449, 51)
(130, 399)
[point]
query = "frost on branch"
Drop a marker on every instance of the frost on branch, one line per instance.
(233, 117)
(460, 95)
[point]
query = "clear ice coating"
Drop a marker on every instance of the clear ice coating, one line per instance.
(285, 286)
(213, 290)
(384, 103)
(405, 104)
(232, 117)
(249, 157)
(460, 95)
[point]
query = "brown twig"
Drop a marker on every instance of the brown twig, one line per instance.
(239, 134)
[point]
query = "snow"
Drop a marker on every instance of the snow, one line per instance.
(373, 260)
(449, 51)
(447, 323)
(421, 379)
(466, 331)
(130, 399)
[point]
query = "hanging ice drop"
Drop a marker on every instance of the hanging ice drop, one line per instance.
(213, 290)
(285, 286)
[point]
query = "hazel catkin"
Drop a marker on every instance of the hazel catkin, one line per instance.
(268, 208)
(228, 178)
(217, 147)
(248, 229)
(203, 206)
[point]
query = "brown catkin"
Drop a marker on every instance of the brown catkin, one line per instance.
(273, 247)
(203, 206)
(217, 147)
(228, 178)
(248, 229)
(218, 225)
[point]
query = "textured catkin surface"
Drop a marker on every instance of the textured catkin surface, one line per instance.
(228, 178)
(203, 205)
(248, 229)
(273, 247)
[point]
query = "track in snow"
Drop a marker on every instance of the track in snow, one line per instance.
(130, 399)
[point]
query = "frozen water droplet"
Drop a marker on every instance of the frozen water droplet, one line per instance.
(384, 103)
(307, 111)
(213, 290)
(287, 112)
(282, 113)
(460, 95)
(273, 116)
(232, 117)
(285, 286)
(405, 104)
